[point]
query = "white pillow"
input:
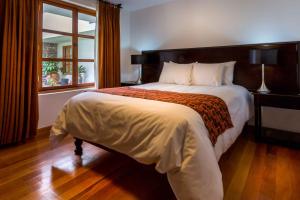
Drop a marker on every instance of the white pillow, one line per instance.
(207, 74)
(176, 73)
(228, 73)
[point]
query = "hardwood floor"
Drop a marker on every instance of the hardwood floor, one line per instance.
(260, 171)
(35, 170)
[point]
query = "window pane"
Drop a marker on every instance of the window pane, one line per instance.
(56, 18)
(86, 72)
(86, 48)
(86, 24)
(57, 73)
(57, 46)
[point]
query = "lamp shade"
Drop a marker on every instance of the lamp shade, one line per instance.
(264, 56)
(138, 59)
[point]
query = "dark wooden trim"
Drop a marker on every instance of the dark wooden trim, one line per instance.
(66, 88)
(57, 32)
(280, 137)
(44, 130)
(86, 84)
(75, 49)
(276, 137)
(40, 44)
(86, 36)
(58, 59)
(67, 34)
(71, 6)
(90, 12)
(86, 60)
(66, 54)
(288, 101)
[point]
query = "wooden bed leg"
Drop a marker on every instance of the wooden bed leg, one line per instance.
(78, 148)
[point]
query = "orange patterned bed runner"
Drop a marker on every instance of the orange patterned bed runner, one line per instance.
(213, 110)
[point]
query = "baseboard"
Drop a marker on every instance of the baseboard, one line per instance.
(279, 137)
(285, 138)
(45, 131)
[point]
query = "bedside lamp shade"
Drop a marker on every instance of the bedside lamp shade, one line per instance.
(262, 57)
(138, 59)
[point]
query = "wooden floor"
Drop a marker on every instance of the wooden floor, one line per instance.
(35, 171)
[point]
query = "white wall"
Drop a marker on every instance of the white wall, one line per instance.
(128, 72)
(50, 105)
(198, 23)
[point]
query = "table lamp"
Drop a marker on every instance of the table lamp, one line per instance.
(263, 57)
(139, 60)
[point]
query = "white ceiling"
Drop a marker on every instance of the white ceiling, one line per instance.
(133, 5)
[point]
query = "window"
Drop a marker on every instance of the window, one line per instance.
(67, 44)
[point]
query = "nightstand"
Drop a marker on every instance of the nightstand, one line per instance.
(288, 101)
(130, 83)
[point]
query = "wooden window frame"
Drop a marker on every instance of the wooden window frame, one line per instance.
(75, 35)
(65, 55)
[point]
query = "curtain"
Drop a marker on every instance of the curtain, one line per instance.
(18, 73)
(1, 31)
(108, 45)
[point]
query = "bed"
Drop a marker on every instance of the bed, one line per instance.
(177, 143)
(171, 136)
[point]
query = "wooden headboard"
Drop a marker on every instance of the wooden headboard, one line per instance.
(282, 78)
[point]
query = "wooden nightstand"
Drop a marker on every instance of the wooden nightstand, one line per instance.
(130, 83)
(288, 101)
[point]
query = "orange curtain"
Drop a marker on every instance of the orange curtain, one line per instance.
(18, 73)
(108, 55)
(1, 31)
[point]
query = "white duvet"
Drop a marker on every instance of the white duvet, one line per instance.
(171, 136)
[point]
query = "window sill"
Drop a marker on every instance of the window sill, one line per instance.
(68, 89)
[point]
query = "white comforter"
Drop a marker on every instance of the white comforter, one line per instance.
(171, 136)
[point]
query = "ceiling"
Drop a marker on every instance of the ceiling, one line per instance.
(133, 5)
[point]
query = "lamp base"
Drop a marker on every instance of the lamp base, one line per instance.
(139, 81)
(263, 88)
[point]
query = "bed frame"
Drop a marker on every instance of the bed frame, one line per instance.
(282, 78)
